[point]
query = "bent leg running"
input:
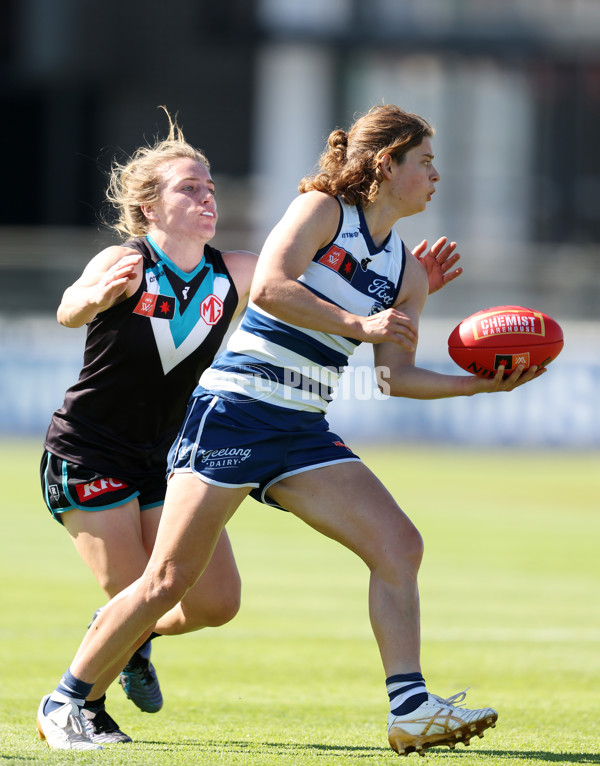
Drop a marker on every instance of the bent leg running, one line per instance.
(194, 516)
(116, 544)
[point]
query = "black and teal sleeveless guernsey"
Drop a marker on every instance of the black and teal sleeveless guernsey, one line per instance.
(142, 359)
(292, 366)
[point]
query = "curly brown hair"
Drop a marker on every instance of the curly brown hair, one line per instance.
(349, 167)
(136, 181)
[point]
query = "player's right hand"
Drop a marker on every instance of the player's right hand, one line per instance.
(390, 325)
(115, 280)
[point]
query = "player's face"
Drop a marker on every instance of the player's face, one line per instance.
(413, 180)
(187, 200)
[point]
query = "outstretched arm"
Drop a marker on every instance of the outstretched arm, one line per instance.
(438, 262)
(398, 375)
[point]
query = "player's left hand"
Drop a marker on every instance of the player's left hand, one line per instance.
(438, 262)
(518, 377)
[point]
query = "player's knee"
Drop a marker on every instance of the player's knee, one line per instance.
(222, 613)
(113, 582)
(225, 604)
(402, 554)
(415, 546)
(165, 587)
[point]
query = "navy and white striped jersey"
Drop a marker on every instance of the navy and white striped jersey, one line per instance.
(298, 368)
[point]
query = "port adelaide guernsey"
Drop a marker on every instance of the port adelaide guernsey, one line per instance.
(145, 351)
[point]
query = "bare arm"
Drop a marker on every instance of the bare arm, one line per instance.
(110, 276)
(309, 224)
(397, 375)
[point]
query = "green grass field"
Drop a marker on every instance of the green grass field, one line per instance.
(510, 590)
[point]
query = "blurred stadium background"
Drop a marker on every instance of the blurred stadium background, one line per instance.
(511, 86)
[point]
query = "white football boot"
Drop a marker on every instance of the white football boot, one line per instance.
(64, 728)
(438, 721)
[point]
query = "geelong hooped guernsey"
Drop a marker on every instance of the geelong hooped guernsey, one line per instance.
(142, 359)
(298, 368)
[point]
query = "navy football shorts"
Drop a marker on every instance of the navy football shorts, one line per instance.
(66, 486)
(241, 442)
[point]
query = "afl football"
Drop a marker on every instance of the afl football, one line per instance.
(505, 335)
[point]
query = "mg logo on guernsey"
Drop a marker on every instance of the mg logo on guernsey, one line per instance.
(211, 309)
(98, 487)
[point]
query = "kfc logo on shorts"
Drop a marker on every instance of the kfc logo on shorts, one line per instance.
(211, 309)
(95, 488)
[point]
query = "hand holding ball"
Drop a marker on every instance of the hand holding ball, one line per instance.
(505, 335)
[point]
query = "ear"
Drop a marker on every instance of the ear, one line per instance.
(149, 212)
(386, 163)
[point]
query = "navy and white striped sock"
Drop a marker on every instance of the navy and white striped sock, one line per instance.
(71, 687)
(406, 692)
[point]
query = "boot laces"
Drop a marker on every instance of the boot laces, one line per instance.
(455, 700)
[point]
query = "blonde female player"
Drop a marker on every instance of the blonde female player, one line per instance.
(157, 307)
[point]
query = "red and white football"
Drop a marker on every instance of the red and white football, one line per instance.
(505, 335)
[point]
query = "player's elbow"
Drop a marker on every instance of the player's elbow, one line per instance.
(68, 320)
(263, 295)
(64, 318)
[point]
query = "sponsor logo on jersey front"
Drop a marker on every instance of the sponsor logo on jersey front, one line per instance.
(96, 488)
(211, 309)
(160, 306)
(380, 288)
(340, 260)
